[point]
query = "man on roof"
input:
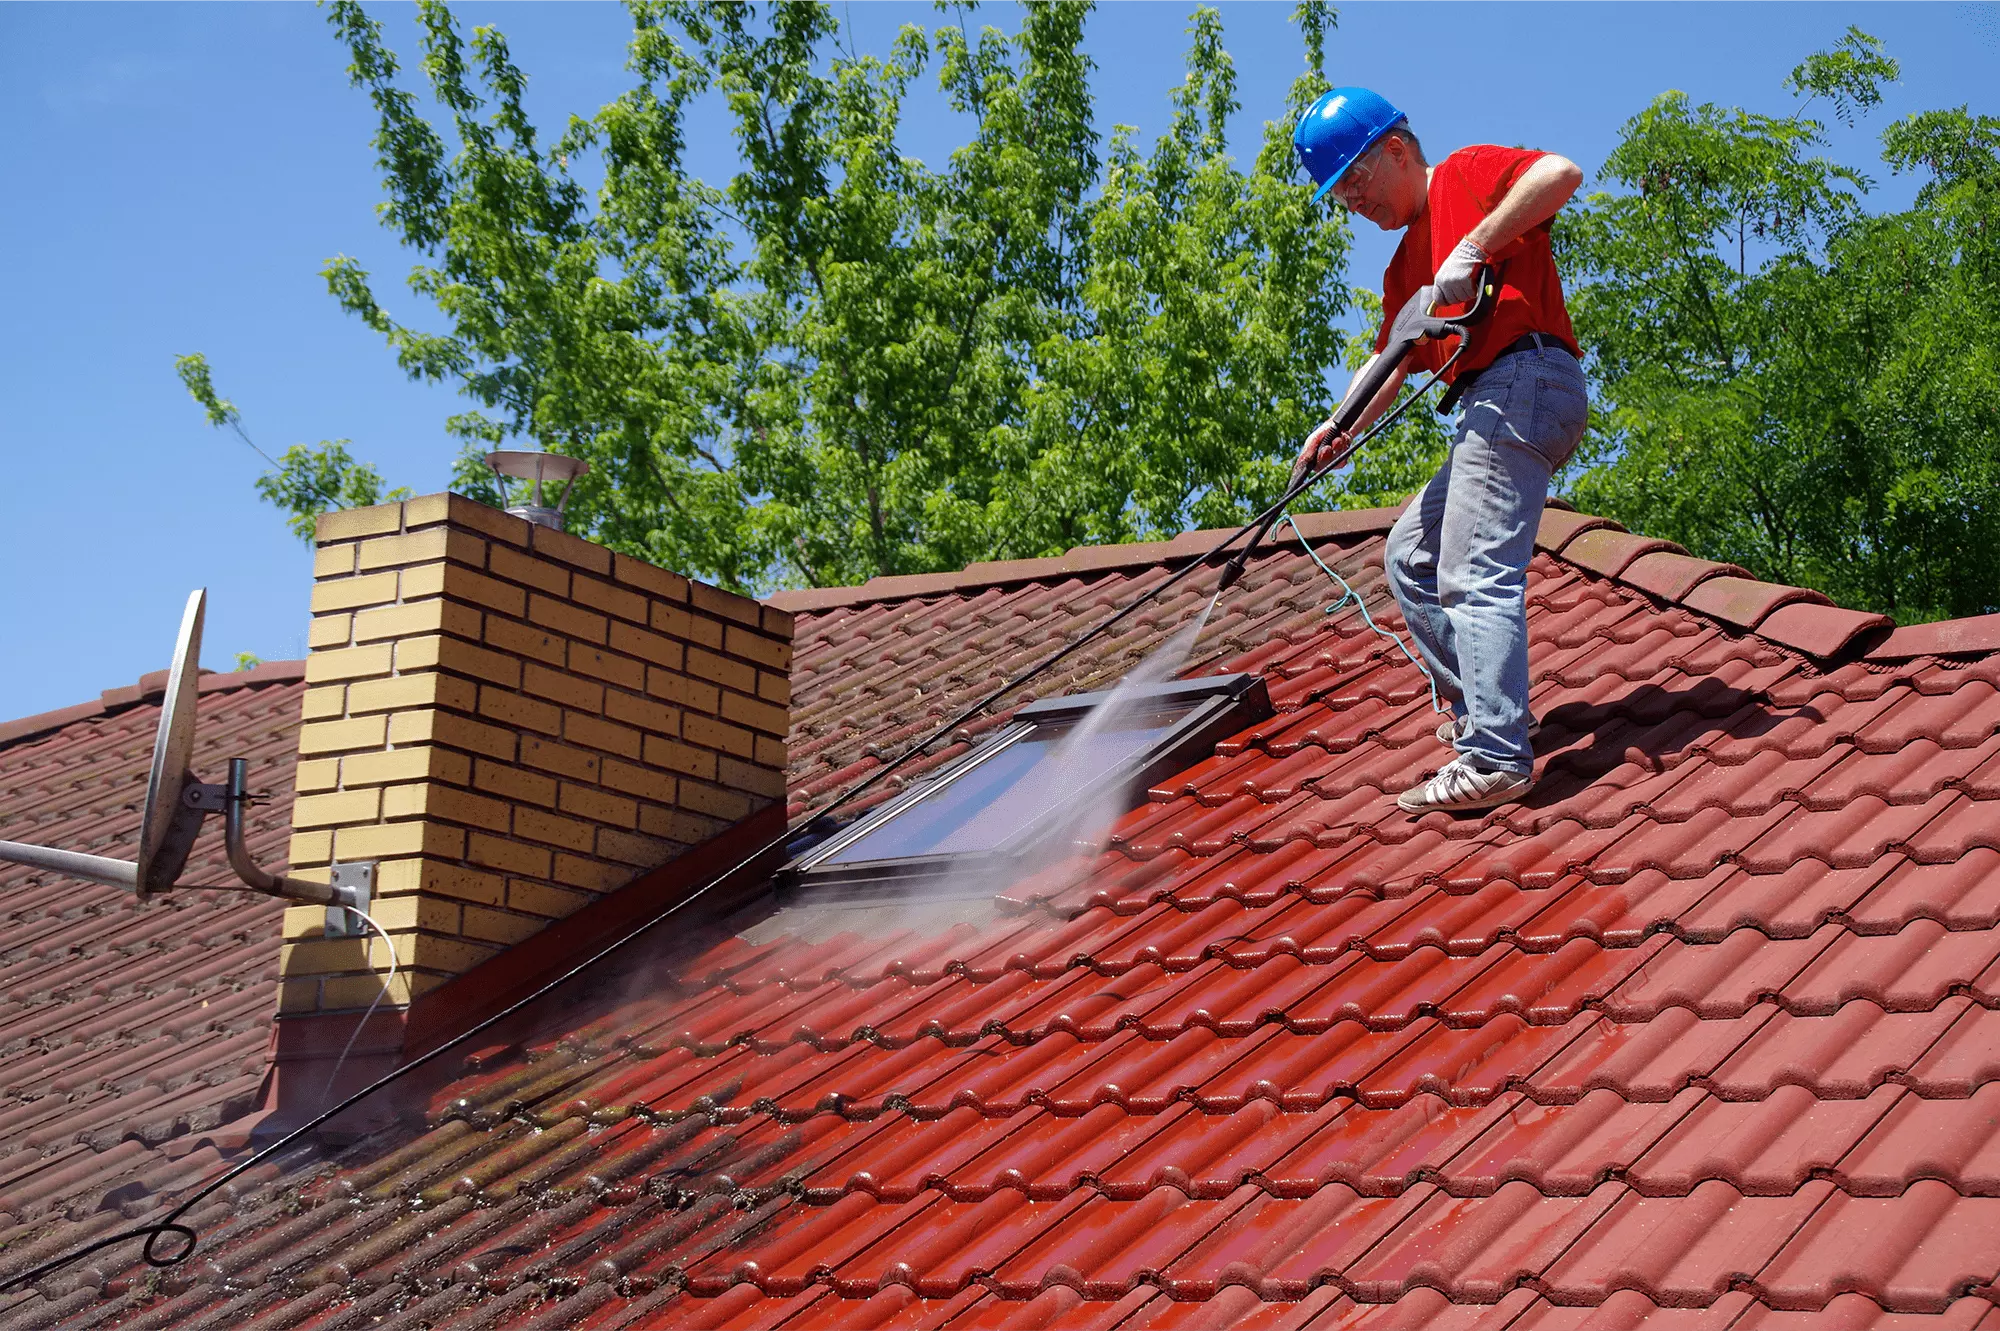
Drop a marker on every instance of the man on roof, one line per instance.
(1457, 559)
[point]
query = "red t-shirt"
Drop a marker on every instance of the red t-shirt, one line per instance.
(1464, 188)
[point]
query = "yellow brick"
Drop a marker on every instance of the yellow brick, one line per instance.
(421, 548)
(779, 623)
(585, 625)
(461, 658)
(774, 688)
(642, 712)
(728, 805)
(344, 993)
(767, 652)
(299, 995)
(309, 848)
(321, 703)
(322, 956)
(427, 727)
(549, 756)
(426, 509)
(581, 694)
(756, 715)
(771, 752)
(549, 902)
(316, 774)
(414, 617)
(305, 922)
(750, 777)
(408, 692)
(407, 913)
(453, 955)
(678, 623)
(694, 694)
(582, 728)
(651, 646)
(512, 783)
(537, 573)
(548, 829)
(330, 631)
(641, 781)
(349, 524)
(690, 829)
(458, 583)
(333, 561)
(427, 800)
(421, 763)
(520, 711)
(648, 578)
(625, 847)
(361, 732)
(683, 758)
(380, 842)
(600, 664)
(526, 641)
(724, 605)
(612, 600)
(347, 593)
(599, 806)
(718, 735)
(467, 513)
(591, 875)
(345, 806)
(495, 926)
(733, 674)
(347, 663)
(433, 878)
(508, 855)
(572, 550)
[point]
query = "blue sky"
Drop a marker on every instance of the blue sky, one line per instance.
(179, 173)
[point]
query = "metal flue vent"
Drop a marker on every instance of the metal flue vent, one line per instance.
(540, 468)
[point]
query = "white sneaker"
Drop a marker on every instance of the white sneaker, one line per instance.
(1460, 786)
(1451, 730)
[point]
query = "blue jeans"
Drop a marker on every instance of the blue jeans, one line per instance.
(1457, 560)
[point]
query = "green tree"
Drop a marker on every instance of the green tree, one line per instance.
(305, 480)
(1784, 380)
(843, 360)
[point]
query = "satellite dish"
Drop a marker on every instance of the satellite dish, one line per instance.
(173, 753)
(177, 802)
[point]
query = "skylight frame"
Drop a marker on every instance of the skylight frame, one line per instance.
(1218, 706)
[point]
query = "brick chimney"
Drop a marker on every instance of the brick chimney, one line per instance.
(511, 723)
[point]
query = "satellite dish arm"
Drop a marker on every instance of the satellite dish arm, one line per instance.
(90, 868)
(262, 880)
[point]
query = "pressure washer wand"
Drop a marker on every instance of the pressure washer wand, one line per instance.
(1414, 323)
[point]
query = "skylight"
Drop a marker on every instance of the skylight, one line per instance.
(1028, 786)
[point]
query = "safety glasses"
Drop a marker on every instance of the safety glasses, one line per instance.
(1353, 182)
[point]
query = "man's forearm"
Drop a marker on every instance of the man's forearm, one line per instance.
(1384, 396)
(1537, 196)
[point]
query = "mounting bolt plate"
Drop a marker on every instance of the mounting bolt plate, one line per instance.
(359, 879)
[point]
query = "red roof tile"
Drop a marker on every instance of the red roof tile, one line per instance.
(1704, 1032)
(127, 1037)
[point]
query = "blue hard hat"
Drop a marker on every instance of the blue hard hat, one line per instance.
(1337, 129)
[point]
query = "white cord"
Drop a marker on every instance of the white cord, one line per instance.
(327, 1094)
(1349, 594)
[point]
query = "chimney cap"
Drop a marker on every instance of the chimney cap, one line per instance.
(524, 465)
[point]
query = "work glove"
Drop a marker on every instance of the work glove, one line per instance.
(1457, 280)
(1321, 447)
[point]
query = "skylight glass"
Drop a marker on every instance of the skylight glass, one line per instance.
(1010, 789)
(1029, 789)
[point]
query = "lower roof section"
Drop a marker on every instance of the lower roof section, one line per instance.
(1704, 1032)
